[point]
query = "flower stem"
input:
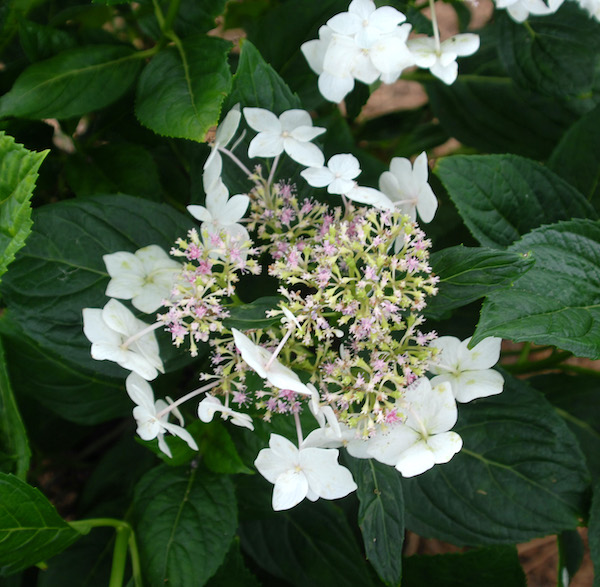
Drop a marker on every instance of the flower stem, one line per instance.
(186, 397)
(141, 333)
(272, 172)
(434, 23)
(298, 429)
(531, 366)
(235, 160)
(278, 349)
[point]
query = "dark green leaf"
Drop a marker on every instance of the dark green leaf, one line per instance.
(556, 54)
(253, 315)
(577, 157)
(502, 197)
(570, 556)
(467, 274)
(520, 475)
(18, 173)
(58, 384)
(577, 400)
(181, 90)
(380, 516)
(493, 567)
(256, 84)
(73, 83)
(14, 448)
(185, 520)
(61, 270)
(41, 42)
(233, 572)
(125, 167)
(89, 559)
(30, 528)
(311, 544)
(557, 302)
(219, 452)
(594, 533)
(492, 115)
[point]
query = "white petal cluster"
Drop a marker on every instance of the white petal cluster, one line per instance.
(406, 185)
(519, 10)
(424, 439)
(210, 405)
(469, 371)
(291, 132)
(221, 214)
(440, 58)
(304, 472)
(365, 44)
(262, 361)
(338, 177)
(110, 328)
(145, 277)
(147, 413)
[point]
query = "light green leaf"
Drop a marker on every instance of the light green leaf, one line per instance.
(557, 302)
(555, 54)
(496, 566)
(502, 197)
(577, 157)
(14, 448)
(72, 83)
(467, 274)
(30, 528)
(380, 516)
(61, 270)
(181, 90)
(185, 520)
(520, 475)
(18, 173)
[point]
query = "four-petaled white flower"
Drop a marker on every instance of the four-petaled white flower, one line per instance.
(305, 472)
(441, 60)
(152, 417)
(109, 328)
(262, 361)
(424, 439)
(519, 10)
(291, 132)
(211, 404)
(224, 134)
(467, 370)
(406, 185)
(145, 277)
(338, 176)
(221, 213)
